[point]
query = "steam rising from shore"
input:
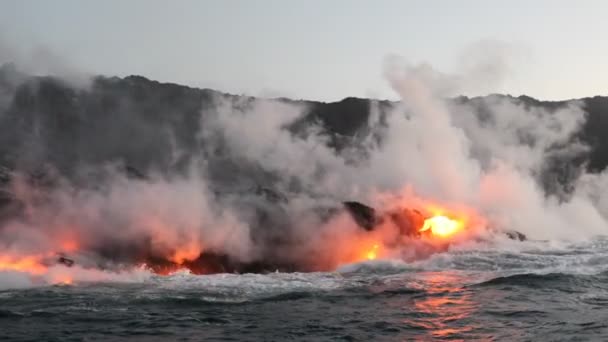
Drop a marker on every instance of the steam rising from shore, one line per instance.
(490, 158)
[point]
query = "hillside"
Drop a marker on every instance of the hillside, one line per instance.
(155, 127)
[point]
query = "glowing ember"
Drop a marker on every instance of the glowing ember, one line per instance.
(372, 253)
(440, 225)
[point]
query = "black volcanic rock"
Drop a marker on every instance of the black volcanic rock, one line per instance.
(515, 235)
(363, 215)
(65, 261)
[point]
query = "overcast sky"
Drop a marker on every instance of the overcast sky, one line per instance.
(324, 50)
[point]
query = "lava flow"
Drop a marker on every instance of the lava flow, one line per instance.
(29, 264)
(441, 226)
(372, 254)
(417, 226)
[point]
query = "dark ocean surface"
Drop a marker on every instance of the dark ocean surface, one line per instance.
(510, 291)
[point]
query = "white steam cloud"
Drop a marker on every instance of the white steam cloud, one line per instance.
(487, 154)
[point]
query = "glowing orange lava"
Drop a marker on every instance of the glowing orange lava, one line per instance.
(186, 253)
(372, 254)
(443, 226)
(30, 264)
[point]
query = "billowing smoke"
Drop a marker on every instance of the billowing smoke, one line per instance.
(257, 182)
(40, 60)
(496, 154)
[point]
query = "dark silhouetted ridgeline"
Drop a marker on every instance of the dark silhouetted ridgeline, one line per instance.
(140, 123)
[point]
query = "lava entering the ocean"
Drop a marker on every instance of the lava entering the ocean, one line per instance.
(414, 226)
(372, 254)
(29, 264)
(442, 226)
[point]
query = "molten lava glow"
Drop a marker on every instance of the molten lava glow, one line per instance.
(372, 254)
(442, 226)
(186, 253)
(29, 264)
(34, 266)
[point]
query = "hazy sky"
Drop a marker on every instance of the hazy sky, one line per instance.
(325, 49)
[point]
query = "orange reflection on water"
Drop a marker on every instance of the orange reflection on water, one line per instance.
(446, 307)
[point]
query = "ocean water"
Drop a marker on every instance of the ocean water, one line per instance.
(509, 291)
